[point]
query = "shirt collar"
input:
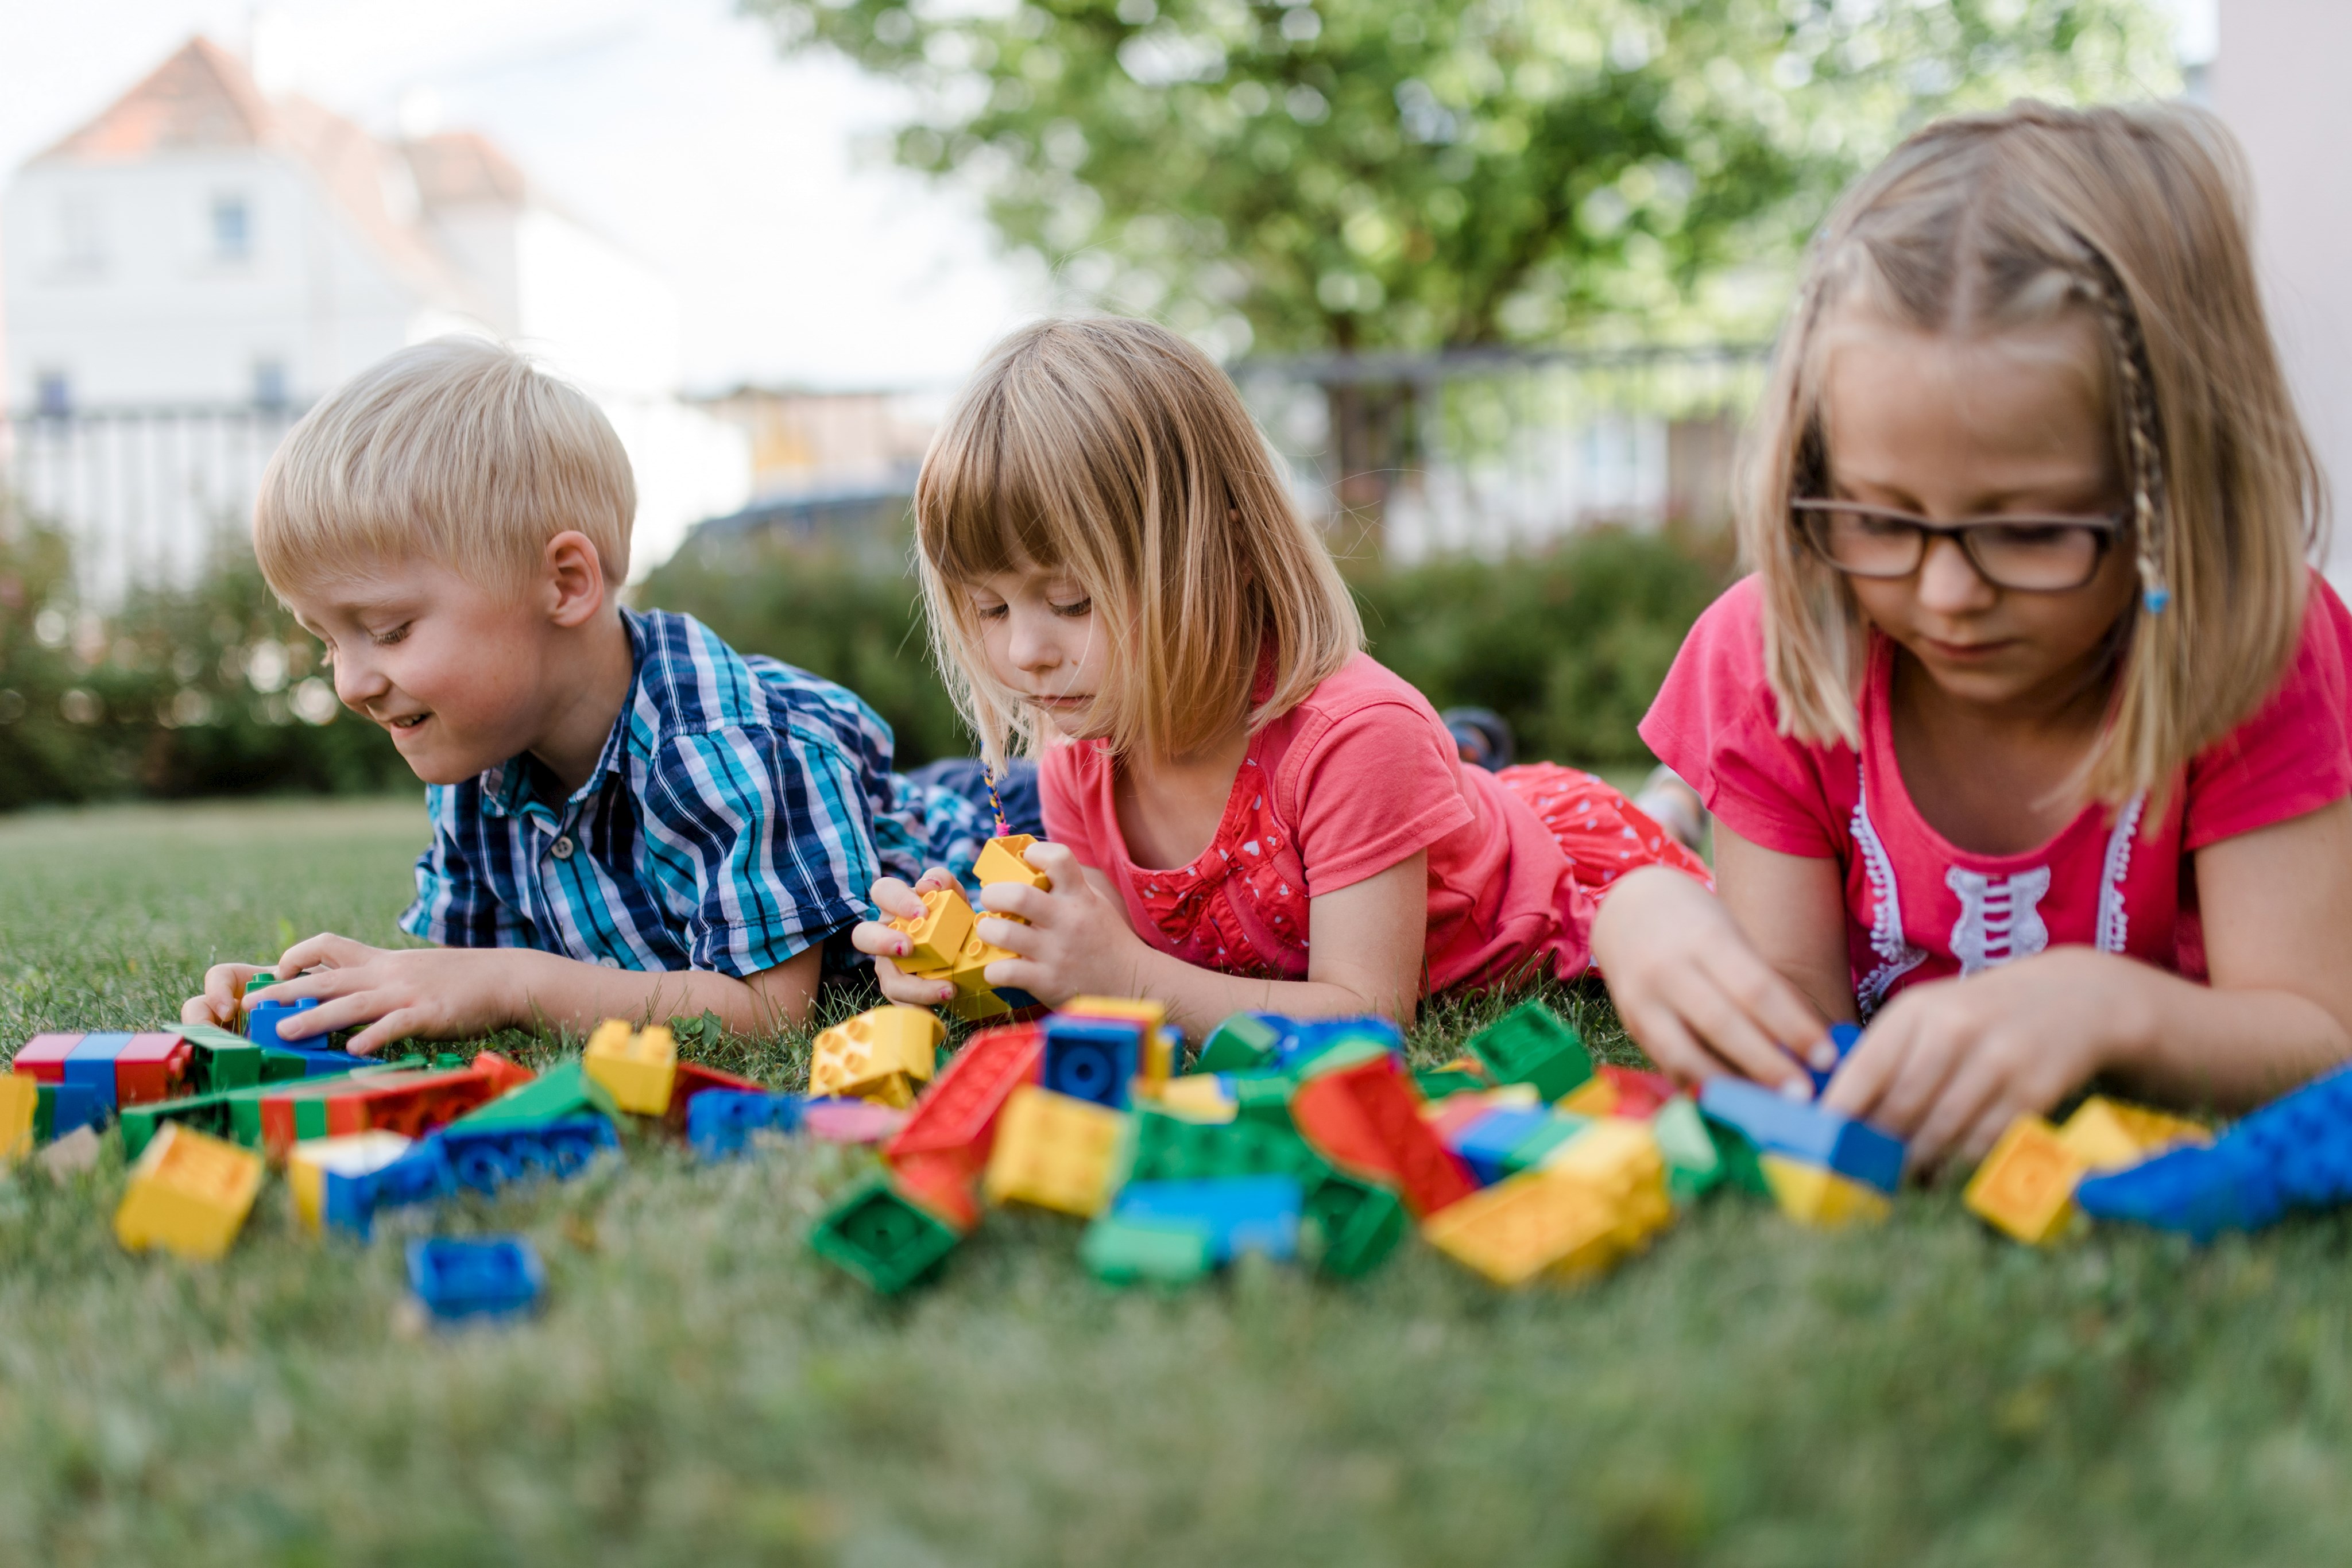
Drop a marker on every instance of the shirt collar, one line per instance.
(508, 790)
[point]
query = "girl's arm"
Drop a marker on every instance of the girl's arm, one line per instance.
(1742, 984)
(1952, 1062)
(1364, 944)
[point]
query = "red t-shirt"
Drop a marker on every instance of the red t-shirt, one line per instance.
(1356, 778)
(1919, 907)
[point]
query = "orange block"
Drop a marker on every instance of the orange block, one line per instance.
(2026, 1185)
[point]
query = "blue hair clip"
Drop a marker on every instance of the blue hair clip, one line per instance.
(2156, 599)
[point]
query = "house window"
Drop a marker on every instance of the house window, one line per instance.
(232, 228)
(81, 241)
(52, 394)
(269, 384)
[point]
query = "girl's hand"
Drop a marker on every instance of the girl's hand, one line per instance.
(1951, 1063)
(224, 983)
(1694, 995)
(429, 993)
(1076, 943)
(878, 941)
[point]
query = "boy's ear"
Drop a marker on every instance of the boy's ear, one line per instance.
(573, 579)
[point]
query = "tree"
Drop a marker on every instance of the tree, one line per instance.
(1346, 175)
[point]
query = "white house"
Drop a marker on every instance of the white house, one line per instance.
(192, 267)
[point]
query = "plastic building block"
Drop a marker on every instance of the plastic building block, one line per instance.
(281, 1064)
(350, 1201)
(1486, 1143)
(1531, 1044)
(1444, 1082)
(1261, 1096)
(936, 939)
(1815, 1195)
(1521, 1227)
(1536, 1148)
(1162, 1046)
(692, 1079)
(1055, 1151)
(20, 1102)
(720, 1122)
(1694, 1163)
(1620, 1160)
(2110, 1136)
(1005, 859)
(90, 1064)
(562, 1092)
(485, 1280)
(956, 1115)
(73, 1105)
(1843, 1038)
(636, 1067)
(43, 1057)
(1239, 1214)
(1330, 1045)
(880, 1237)
(151, 1067)
(2199, 1190)
(411, 1106)
(851, 1120)
(1776, 1125)
(1366, 1119)
(1243, 1041)
(878, 1055)
(942, 1184)
(189, 1195)
(1162, 1147)
(487, 1158)
(1638, 1093)
(1092, 1059)
(1164, 1253)
(2026, 1184)
(265, 1018)
(356, 1155)
(1197, 1097)
(1355, 1225)
(219, 1060)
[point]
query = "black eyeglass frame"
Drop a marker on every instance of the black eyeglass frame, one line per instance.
(1813, 513)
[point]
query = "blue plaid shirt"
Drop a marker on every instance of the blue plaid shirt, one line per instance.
(739, 812)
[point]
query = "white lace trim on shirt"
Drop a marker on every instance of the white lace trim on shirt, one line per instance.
(2115, 925)
(1896, 957)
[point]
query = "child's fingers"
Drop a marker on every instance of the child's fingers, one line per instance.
(1025, 974)
(399, 1024)
(1059, 863)
(1727, 1030)
(1009, 935)
(1775, 1006)
(1662, 1035)
(896, 900)
(342, 1012)
(199, 1010)
(1971, 1095)
(939, 879)
(877, 940)
(1017, 898)
(327, 949)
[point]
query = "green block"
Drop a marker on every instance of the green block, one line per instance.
(1262, 1097)
(1243, 1041)
(1532, 1150)
(1160, 1147)
(1166, 1252)
(45, 1112)
(449, 1061)
(282, 1066)
(1359, 1223)
(1438, 1083)
(564, 1090)
(881, 1237)
(220, 1061)
(1529, 1044)
(205, 1112)
(1694, 1164)
(1741, 1169)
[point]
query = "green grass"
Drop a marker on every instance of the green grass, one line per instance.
(701, 1391)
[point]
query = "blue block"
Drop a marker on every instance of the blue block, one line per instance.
(1487, 1142)
(720, 1122)
(487, 1158)
(262, 1021)
(1091, 1059)
(90, 1064)
(76, 1106)
(421, 1174)
(1846, 1037)
(1303, 1037)
(493, 1278)
(2201, 1191)
(1239, 1214)
(1803, 1131)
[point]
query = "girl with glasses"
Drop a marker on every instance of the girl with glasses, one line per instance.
(2026, 742)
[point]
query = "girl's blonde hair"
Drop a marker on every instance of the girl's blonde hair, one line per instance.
(1119, 452)
(1987, 224)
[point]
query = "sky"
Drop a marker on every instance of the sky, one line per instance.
(800, 257)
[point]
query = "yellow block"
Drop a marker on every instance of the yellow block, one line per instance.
(2026, 1185)
(1005, 859)
(353, 1153)
(189, 1194)
(1518, 1228)
(969, 972)
(1199, 1098)
(1620, 1160)
(973, 1006)
(1815, 1195)
(20, 1096)
(2109, 1136)
(1595, 1097)
(855, 1059)
(637, 1069)
(1055, 1151)
(938, 936)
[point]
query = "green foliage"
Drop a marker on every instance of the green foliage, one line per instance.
(1417, 173)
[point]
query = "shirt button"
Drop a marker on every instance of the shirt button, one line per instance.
(563, 848)
(608, 962)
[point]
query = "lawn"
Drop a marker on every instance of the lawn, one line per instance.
(700, 1390)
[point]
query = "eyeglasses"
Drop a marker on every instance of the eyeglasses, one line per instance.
(2029, 553)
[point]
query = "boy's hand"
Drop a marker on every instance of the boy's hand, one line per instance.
(878, 941)
(1694, 995)
(1951, 1063)
(430, 993)
(224, 983)
(1076, 943)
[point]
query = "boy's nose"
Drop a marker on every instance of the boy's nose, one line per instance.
(359, 683)
(1949, 581)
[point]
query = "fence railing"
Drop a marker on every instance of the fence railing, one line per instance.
(148, 494)
(1489, 450)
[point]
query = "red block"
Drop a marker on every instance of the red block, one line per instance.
(690, 1080)
(1366, 1119)
(1639, 1093)
(44, 1056)
(414, 1108)
(150, 1068)
(504, 1072)
(956, 1116)
(942, 1184)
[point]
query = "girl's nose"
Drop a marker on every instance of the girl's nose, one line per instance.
(1949, 581)
(1035, 647)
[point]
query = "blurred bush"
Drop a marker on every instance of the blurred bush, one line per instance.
(211, 690)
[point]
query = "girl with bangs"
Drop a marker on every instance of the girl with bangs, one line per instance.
(2026, 742)
(1247, 811)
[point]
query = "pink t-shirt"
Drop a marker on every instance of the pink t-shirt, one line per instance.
(1357, 777)
(1920, 908)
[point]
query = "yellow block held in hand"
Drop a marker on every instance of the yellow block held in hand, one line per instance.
(637, 1069)
(2026, 1185)
(878, 1055)
(1007, 860)
(189, 1195)
(937, 939)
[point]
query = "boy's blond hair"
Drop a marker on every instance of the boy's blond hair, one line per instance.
(459, 450)
(1119, 452)
(2132, 219)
